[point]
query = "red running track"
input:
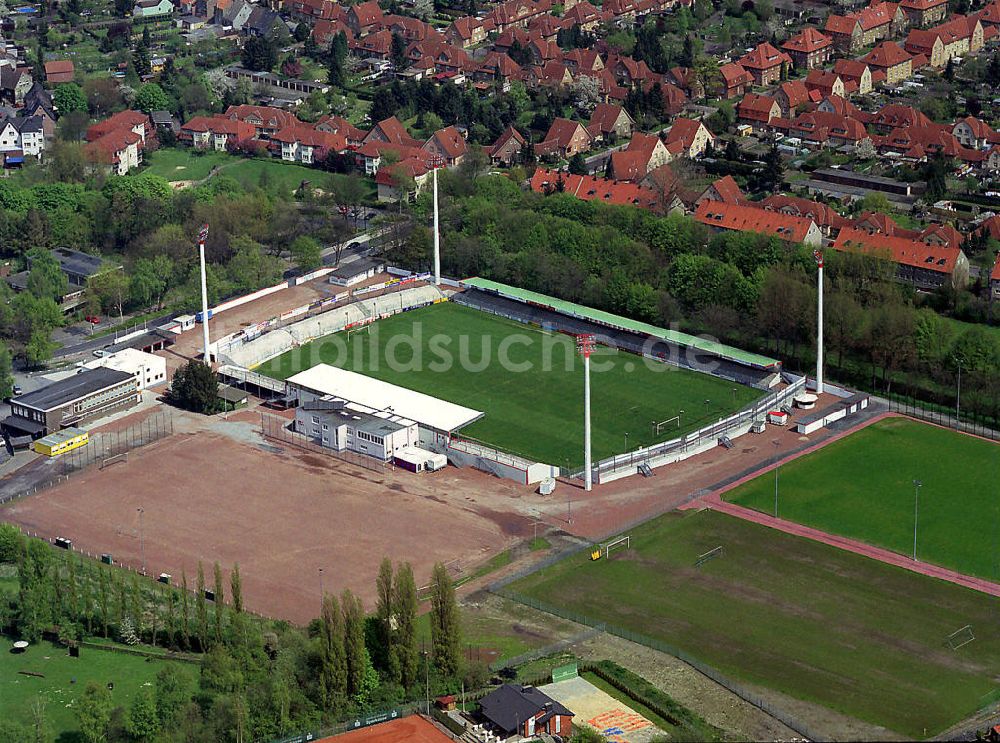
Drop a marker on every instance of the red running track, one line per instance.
(714, 502)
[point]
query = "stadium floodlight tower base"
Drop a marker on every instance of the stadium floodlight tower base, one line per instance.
(585, 343)
(818, 255)
(202, 237)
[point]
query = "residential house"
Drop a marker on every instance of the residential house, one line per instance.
(14, 84)
(644, 154)
(856, 72)
(262, 22)
(895, 115)
(829, 221)
(447, 146)
(866, 27)
(687, 80)
(466, 31)
(216, 132)
(890, 59)
(391, 131)
(792, 95)
(38, 102)
(524, 711)
(765, 63)
(265, 120)
(845, 32)
(809, 49)
(975, 133)
(583, 60)
(119, 150)
(324, 32)
(736, 81)
(152, 8)
(596, 188)
(585, 16)
(402, 180)
(565, 139)
(724, 189)
(757, 111)
(506, 15)
(825, 83)
(59, 71)
(307, 145)
(924, 266)
(692, 136)
(923, 13)
(822, 129)
(508, 147)
(722, 216)
(610, 122)
(957, 37)
(364, 17)
(339, 125)
(134, 121)
(236, 15)
(21, 137)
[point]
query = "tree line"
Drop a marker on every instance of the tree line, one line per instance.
(258, 678)
(754, 291)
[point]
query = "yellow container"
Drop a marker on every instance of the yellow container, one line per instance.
(61, 442)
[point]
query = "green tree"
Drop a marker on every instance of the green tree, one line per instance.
(306, 252)
(332, 658)
(404, 606)
(40, 347)
(355, 653)
(149, 281)
(172, 693)
(6, 383)
(11, 543)
(236, 589)
(143, 722)
(251, 267)
(150, 97)
(220, 603)
(69, 97)
(46, 279)
(445, 628)
(578, 164)
(13, 732)
(195, 387)
(93, 713)
(384, 617)
(259, 54)
(201, 609)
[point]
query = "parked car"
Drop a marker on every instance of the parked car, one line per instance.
(93, 319)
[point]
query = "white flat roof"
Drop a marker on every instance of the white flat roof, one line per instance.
(374, 393)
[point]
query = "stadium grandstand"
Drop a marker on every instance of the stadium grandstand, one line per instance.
(670, 346)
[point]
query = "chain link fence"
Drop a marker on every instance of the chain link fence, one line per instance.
(275, 429)
(968, 423)
(104, 448)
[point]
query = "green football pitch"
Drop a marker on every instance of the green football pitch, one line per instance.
(790, 614)
(862, 486)
(537, 411)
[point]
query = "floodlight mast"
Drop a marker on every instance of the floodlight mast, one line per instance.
(435, 164)
(202, 237)
(585, 343)
(818, 255)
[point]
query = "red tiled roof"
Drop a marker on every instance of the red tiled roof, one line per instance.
(878, 14)
(105, 149)
(605, 117)
(796, 92)
(755, 107)
(562, 131)
(729, 191)
(764, 57)
(310, 137)
(822, 214)
(262, 116)
(822, 79)
(592, 188)
(450, 141)
(733, 75)
(809, 40)
(921, 4)
(885, 55)
(840, 25)
(753, 219)
(850, 69)
(684, 131)
(505, 136)
(59, 67)
(902, 250)
(219, 124)
(411, 167)
(121, 120)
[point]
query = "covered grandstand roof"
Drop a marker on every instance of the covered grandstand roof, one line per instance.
(378, 395)
(623, 323)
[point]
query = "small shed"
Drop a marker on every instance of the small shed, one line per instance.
(356, 272)
(415, 459)
(233, 396)
(777, 417)
(446, 703)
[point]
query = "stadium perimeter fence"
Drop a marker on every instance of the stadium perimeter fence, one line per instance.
(693, 441)
(275, 428)
(103, 447)
(966, 424)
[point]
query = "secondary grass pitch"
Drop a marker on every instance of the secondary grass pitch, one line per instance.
(862, 487)
(804, 618)
(537, 412)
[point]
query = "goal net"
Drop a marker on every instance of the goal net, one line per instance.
(622, 543)
(660, 426)
(114, 459)
(960, 637)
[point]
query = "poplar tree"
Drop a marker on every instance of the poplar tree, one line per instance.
(404, 605)
(445, 630)
(219, 604)
(201, 610)
(333, 664)
(356, 655)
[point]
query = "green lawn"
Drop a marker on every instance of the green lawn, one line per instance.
(535, 413)
(66, 678)
(801, 617)
(862, 487)
(285, 177)
(185, 164)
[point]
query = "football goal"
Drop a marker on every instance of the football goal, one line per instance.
(621, 543)
(659, 426)
(960, 637)
(113, 459)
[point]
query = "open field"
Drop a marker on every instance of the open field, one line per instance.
(862, 487)
(536, 411)
(184, 165)
(280, 515)
(803, 618)
(65, 679)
